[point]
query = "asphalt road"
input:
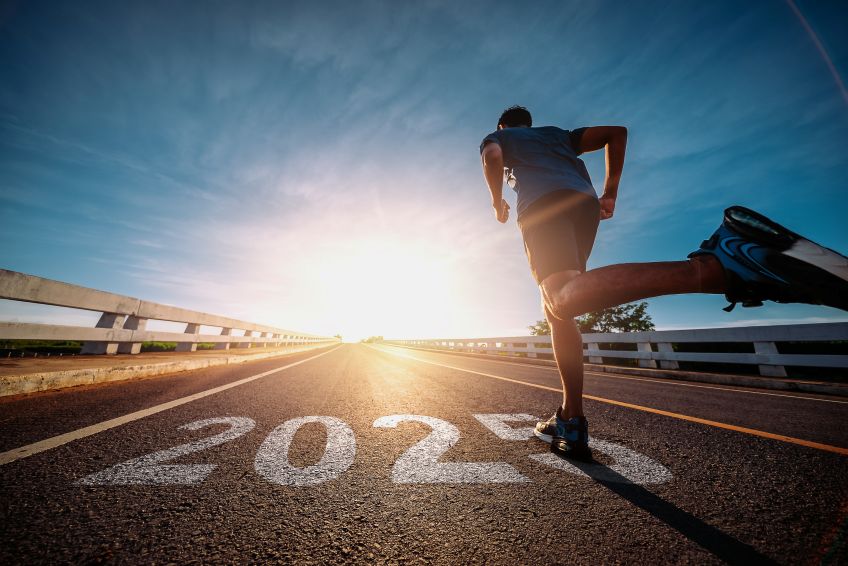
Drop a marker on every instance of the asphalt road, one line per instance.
(379, 454)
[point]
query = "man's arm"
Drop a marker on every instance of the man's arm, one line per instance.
(614, 139)
(493, 171)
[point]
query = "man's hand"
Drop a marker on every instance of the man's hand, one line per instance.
(607, 207)
(501, 211)
(614, 139)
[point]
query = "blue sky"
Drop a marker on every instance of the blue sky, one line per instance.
(314, 165)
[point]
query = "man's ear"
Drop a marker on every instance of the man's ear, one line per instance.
(501, 126)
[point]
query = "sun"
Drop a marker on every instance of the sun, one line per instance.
(387, 288)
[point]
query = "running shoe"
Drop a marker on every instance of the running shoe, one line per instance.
(568, 437)
(762, 261)
(546, 430)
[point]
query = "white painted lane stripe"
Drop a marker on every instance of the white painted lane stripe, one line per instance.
(659, 381)
(56, 441)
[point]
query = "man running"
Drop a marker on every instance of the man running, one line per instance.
(749, 258)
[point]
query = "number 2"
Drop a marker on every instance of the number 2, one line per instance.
(149, 470)
(419, 464)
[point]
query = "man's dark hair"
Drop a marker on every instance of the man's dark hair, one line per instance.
(515, 116)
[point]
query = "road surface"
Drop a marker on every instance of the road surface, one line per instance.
(376, 454)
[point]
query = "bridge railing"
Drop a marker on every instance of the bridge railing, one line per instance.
(668, 347)
(122, 326)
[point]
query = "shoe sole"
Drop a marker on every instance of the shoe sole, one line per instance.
(547, 438)
(579, 454)
(761, 229)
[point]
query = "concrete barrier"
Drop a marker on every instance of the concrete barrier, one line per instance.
(667, 348)
(123, 321)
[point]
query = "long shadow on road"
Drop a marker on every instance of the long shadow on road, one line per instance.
(720, 544)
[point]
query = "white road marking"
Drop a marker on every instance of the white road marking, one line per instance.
(633, 378)
(419, 464)
(149, 470)
(629, 466)
(56, 441)
(497, 424)
(272, 459)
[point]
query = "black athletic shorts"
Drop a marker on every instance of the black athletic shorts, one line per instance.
(559, 232)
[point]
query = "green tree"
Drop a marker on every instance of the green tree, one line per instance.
(632, 317)
(541, 328)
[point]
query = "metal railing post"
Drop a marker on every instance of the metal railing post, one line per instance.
(645, 347)
(224, 345)
(132, 323)
(766, 369)
(595, 359)
(107, 320)
(191, 328)
(247, 334)
(667, 364)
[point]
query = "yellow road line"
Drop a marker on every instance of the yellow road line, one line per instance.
(56, 441)
(661, 381)
(751, 431)
(737, 389)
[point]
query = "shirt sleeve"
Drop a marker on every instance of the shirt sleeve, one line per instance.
(574, 137)
(491, 138)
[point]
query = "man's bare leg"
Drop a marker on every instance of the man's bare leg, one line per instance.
(568, 352)
(568, 296)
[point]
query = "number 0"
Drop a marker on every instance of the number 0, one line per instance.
(272, 460)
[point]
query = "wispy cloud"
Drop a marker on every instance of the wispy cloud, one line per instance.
(229, 160)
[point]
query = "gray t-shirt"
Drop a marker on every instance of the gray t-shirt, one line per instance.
(542, 160)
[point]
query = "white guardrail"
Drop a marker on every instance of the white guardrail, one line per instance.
(659, 346)
(122, 325)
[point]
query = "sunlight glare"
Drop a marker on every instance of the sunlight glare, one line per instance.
(391, 289)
